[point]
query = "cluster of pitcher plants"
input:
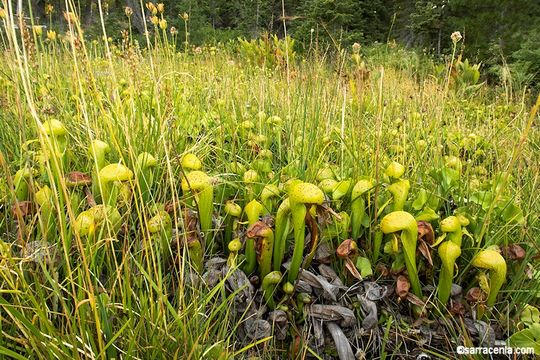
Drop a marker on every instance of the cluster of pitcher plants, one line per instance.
(264, 221)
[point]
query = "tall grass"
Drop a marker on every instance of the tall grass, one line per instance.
(114, 298)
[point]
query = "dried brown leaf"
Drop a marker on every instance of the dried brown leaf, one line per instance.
(257, 229)
(24, 208)
(425, 232)
(330, 291)
(280, 323)
(89, 197)
(475, 295)
(191, 226)
(324, 253)
(457, 308)
(370, 308)
(347, 248)
(425, 250)
(170, 206)
(349, 265)
(326, 215)
(402, 286)
(513, 252)
(343, 347)
(78, 178)
(341, 314)
(382, 269)
(327, 272)
(415, 300)
(313, 232)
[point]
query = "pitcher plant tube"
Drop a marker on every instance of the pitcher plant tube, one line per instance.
(22, 183)
(160, 228)
(264, 238)
(448, 252)
(269, 285)
(268, 195)
(451, 226)
(234, 247)
(405, 223)
(302, 197)
(145, 174)
(98, 151)
(79, 184)
(111, 178)
(85, 225)
(191, 162)
(399, 188)
(494, 262)
(394, 170)
(282, 231)
(253, 211)
(58, 136)
(400, 191)
(251, 181)
(201, 186)
(44, 198)
(358, 205)
(233, 211)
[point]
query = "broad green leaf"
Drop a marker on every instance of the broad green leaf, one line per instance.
(482, 198)
(420, 200)
(366, 221)
(427, 215)
(439, 240)
(530, 315)
(527, 338)
(450, 178)
(341, 189)
(511, 214)
(364, 266)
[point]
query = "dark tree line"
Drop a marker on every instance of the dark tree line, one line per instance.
(491, 28)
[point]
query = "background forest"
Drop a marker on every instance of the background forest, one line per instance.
(495, 32)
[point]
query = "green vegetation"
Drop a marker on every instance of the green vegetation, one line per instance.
(499, 35)
(247, 199)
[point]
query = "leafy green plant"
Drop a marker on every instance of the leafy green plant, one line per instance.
(467, 75)
(529, 336)
(268, 51)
